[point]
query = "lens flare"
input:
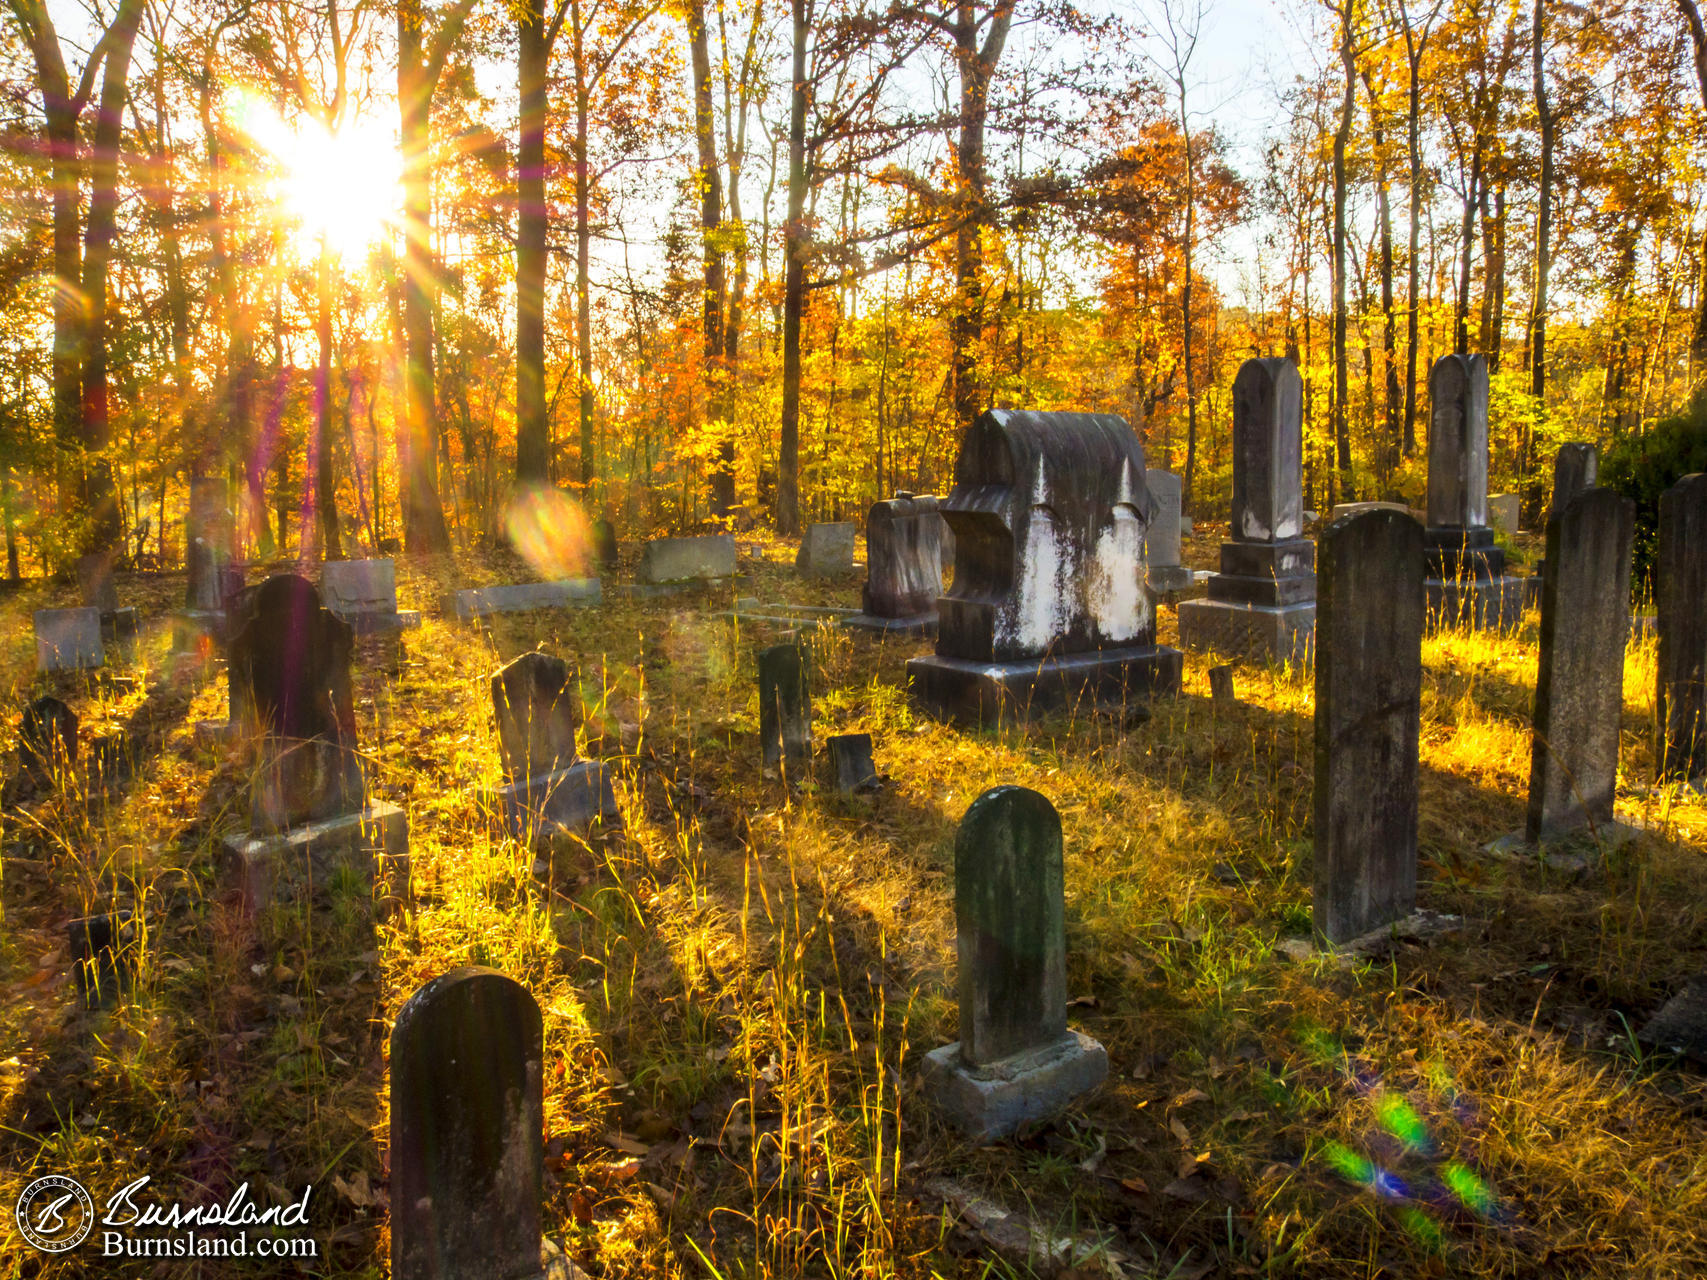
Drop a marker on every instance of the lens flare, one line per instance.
(1398, 1118)
(550, 531)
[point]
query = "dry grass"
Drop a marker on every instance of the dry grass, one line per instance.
(735, 991)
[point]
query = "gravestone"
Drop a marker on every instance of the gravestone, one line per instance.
(700, 559)
(903, 566)
(68, 639)
(1680, 582)
(785, 709)
(209, 539)
(537, 702)
(826, 551)
(1162, 535)
(95, 579)
(364, 594)
(1343, 509)
(604, 543)
(1466, 580)
(1579, 694)
(1576, 468)
(1262, 605)
(524, 597)
(1221, 688)
(1504, 512)
(467, 1130)
(103, 952)
(47, 741)
(1016, 1061)
(1368, 705)
(850, 754)
(1049, 605)
(291, 693)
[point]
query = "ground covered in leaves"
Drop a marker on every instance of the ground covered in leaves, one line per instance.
(737, 987)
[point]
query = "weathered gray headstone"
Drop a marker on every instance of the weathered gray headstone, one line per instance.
(537, 703)
(1504, 512)
(1368, 707)
(467, 1130)
(604, 543)
(364, 594)
(209, 534)
(699, 559)
(1162, 534)
(850, 754)
(1049, 605)
(1579, 695)
(68, 639)
(903, 566)
(1680, 578)
(785, 709)
(522, 597)
(1466, 577)
(1262, 605)
(1576, 469)
(1221, 688)
(95, 579)
(1016, 1060)
(826, 551)
(47, 740)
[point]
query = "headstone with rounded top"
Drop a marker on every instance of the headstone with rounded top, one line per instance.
(903, 566)
(1016, 1061)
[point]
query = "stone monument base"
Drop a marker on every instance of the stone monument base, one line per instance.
(1577, 852)
(989, 692)
(372, 844)
(1253, 632)
(1482, 604)
(564, 801)
(1170, 577)
(921, 624)
(987, 1103)
(120, 627)
(191, 627)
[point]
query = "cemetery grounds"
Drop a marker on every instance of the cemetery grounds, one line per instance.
(738, 988)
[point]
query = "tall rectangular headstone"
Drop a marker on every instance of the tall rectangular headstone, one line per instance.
(1680, 579)
(785, 709)
(1466, 578)
(1262, 605)
(1049, 605)
(68, 639)
(364, 594)
(903, 566)
(548, 788)
(1579, 694)
(1162, 535)
(1016, 1059)
(826, 550)
(1368, 709)
(467, 1130)
(1576, 469)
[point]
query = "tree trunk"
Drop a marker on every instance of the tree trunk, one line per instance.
(583, 256)
(794, 283)
(1389, 322)
(1472, 197)
(532, 62)
(710, 180)
(1544, 215)
(1342, 427)
(424, 528)
(325, 486)
(1698, 46)
(1413, 302)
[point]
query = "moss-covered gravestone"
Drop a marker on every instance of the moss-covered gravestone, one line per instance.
(467, 1130)
(785, 709)
(1016, 1060)
(1680, 704)
(1369, 624)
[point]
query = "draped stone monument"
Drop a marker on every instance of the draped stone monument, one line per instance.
(903, 566)
(1466, 579)
(1262, 605)
(1049, 606)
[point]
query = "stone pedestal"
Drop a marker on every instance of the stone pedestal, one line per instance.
(977, 692)
(992, 1102)
(1280, 635)
(372, 846)
(562, 801)
(903, 567)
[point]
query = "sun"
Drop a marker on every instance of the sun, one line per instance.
(338, 185)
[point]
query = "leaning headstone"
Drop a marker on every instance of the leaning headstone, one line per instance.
(289, 668)
(826, 551)
(1016, 1061)
(1162, 534)
(903, 566)
(1049, 605)
(548, 788)
(68, 639)
(850, 755)
(1680, 579)
(1262, 605)
(700, 559)
(524, 597)
(1368, 707)
(467, 1130)
(785, 709)
(1466, 578)
(47, 741)
(1504, 512)
(1579, 694)
(364, 594)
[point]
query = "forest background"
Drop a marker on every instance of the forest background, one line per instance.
(387, 265)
